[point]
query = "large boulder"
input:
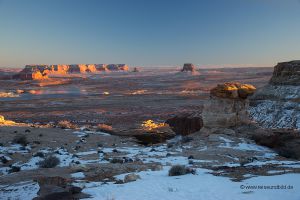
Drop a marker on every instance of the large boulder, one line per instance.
(188, 67)
(52, 188)
(285, 142)
(150, 132)
(185, 124)
(286, 73)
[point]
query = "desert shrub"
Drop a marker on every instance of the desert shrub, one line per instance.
(116, 160)
(14, 169)
(49, 162)
(105, 128)
(65, 124)
(39, 154)
(186, 139)
(20, 139)
(3, 159)
(178, 170)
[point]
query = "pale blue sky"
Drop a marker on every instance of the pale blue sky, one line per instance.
(149, 32)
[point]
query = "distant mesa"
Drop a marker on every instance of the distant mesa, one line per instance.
(188, 67)
(39, 72)
(286, 73)
(136, 69)
(32, 73)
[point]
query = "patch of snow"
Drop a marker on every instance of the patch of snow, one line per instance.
(276, 114)
(203, 149)
(277, 171)
(23, 190)
(86, 153)
(78, 175)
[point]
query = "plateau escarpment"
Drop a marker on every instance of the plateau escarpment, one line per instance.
(38, 72)
(277, 105)
(286, 73)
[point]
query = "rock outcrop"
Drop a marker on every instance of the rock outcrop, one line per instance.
(38, 72)
(150, 132)
(33, 72)
(233, 90)
(185, 124)
(286, 73)
(58, 188)
(188, 67)
(277, 105)
(227, 106)
(284, 142)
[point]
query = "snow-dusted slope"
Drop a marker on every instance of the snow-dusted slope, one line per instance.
(276, 106)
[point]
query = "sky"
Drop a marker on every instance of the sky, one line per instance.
(149, 32)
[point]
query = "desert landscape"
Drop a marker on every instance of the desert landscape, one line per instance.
(149, 100)
(105, 134)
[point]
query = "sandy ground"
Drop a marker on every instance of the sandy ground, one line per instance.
(121, 99)
(124, 101)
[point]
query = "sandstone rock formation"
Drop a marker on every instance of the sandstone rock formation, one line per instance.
(33, 72)
(227, 106)
(277, 105)
(188, 67)
(233, 90)
(185, 124)
(4, 122)
(150, 132)
(37, 72)
(286, 73)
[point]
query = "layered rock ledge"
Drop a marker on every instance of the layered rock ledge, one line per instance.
(286, 73)
(277, 105)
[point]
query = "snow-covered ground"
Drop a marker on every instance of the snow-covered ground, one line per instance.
(155, 185)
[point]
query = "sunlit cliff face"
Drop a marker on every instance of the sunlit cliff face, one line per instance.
(150, 125)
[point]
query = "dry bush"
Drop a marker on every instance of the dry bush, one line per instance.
(178, 170)
(49, 162)
(20, 139)
(65, 124)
